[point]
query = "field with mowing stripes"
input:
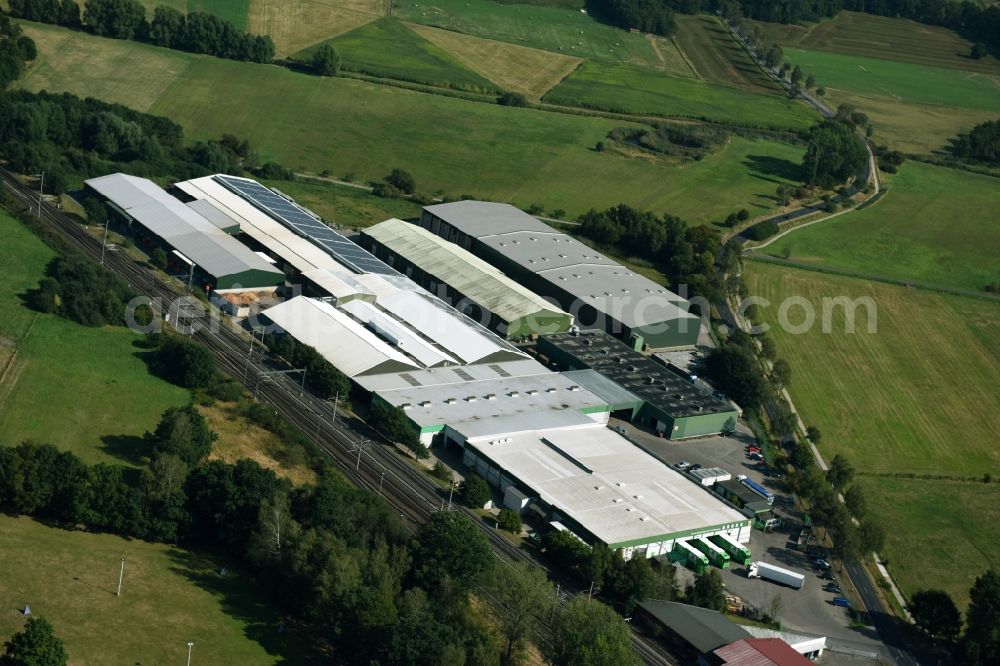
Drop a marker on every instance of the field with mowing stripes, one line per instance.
(639, 90)
(852, 33)
(169, 596)
(389, 49)
(717, 57)
(563, 30)
(532, 72)
(917, 396)
(297, 24)
(489, 151)
(933, 225)
(900, 80)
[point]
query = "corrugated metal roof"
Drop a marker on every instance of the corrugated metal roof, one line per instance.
(703, 629)
(189, 233)
(761, 652)
(407, 340)
(462, 270)
(348, 345)
(485, 218)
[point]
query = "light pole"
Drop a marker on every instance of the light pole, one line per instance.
(190, 645)
(380, 479)
(121, 576)
(361, 446)
(41, 187)
(104, 245)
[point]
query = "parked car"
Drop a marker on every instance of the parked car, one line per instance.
(621, 430)
(682, 464)
(832, 587)
(821, 563)
(694, 467)
(841, 601)
(826, 575)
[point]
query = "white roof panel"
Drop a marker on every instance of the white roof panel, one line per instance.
(406, 339)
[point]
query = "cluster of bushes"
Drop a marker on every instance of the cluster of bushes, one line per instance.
(181, 361)
(735, 370)
(397, 184)
(197, 32)
(693, 142)
(834, 154)
(15, 50)
(655, 16)
(322, 377)
(888, 160)
(982, 144)
(686, 254)
(78, 289)
(393, 423)
(762, 230)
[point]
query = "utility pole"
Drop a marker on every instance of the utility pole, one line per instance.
(121, 576)
(253, 336)
(41, 187)
(590, 594)
(104, 245)
(451, 491)
(380, 479)
(361, 446)
(336, 400)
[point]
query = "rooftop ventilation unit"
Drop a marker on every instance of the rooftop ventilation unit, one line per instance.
(620, 484)
(470, 398)
(618, 500)
(425, 403)
(514, 394)
(550, 390)
(574, 387)
(532, 391)
(450, 401)
(491, 396)
(405, 406)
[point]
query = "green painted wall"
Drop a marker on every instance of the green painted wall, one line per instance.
(669, 334)
(539, 323)
(248, 280)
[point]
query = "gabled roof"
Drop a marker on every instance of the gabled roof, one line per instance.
(485, 218)
(703, 629)
(760, 652)
(463, 271)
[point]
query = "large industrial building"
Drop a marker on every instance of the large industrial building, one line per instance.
(463, 279)
(597, 291)
(198, 246)
(645, 391)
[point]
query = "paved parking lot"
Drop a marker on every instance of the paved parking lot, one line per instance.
(807, 610)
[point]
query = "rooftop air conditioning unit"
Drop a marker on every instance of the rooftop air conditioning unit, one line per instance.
(405, 406)
(514, 394)
(450, 401)
(491, 396)
(574, 387)
(470, 398)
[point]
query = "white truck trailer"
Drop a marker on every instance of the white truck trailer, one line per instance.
(776, 574)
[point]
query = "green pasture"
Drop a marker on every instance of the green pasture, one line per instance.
(553, 28)
(717, 56)
(346, 206)
(389, 49)
(935, 536)
(630, 89)
(915, 396)
(170, 596)
(82, 389)
(934, 225)
(903, 40)
(900, 80)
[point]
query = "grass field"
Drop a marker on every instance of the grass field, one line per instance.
(389, 49)
(899, 80)
(916, 396)
(936, 539)
(531, 72)
(82, 389)
(933, 225)
(169, 597)
(853, 33)
(639, 90)
(912, 397)
(716, 56)
(563, 30)
(296, 24)
(346, 206)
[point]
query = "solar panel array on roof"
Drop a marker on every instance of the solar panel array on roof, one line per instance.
(303, 222)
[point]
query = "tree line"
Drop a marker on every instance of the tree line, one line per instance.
(655, 16)
(936, 615)
(16, 49)
(981, 144)
(196, 32)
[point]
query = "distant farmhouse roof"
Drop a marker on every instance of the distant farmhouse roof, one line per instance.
(183, 228)
(463, 271)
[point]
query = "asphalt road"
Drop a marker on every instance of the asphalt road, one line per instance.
(887, 626)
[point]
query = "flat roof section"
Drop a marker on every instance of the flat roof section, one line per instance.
(525, 397)
(613, 489)
(637, 373)
(405, 339)
(214, 251)
(442, 376)
(603, 387)
(486, 218)
(463, 271)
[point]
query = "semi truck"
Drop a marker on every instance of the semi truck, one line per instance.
(776, 574)
(737, 551)
(757, 488)
(716, 555)
(688, 555)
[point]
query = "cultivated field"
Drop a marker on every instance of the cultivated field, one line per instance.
(563, 30)
(934, 225)
(639, 90)
(937, 537)
(916, 396)
(899, 80)
(169, 596)
(82, 389)
(520, 155)
(296, 24)
(532, 72)
(852, 33)
(912, 397)
(389, 49)
(71, 56)
(717, 57)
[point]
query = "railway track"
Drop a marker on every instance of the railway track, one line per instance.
(354, 448)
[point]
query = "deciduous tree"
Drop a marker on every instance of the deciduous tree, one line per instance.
(36, 645)
(935, 613)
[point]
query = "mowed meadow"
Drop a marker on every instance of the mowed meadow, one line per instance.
(916, 396)
(462, 147)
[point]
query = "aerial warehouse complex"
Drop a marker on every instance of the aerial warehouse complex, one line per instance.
(452, 273)
(663, 400)
(597, 291)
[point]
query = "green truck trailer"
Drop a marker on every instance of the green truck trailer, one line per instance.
(684, 553)
(716, 555)
(736, 551)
